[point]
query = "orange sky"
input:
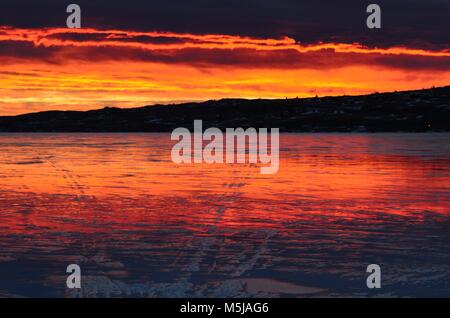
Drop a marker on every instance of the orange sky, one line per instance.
(43, 69)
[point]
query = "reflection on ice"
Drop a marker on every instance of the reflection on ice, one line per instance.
(139, 225)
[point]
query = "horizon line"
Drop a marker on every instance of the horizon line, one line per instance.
(222, 99)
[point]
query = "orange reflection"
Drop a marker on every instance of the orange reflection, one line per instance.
(128, 179)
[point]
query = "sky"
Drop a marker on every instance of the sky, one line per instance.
(135, 52)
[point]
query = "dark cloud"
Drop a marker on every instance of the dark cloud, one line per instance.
(27, 51)
(200, 57)
(414, 62)
(102, 36)
(418, 23)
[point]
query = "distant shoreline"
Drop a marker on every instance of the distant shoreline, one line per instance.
(168, 133)
(426, 110)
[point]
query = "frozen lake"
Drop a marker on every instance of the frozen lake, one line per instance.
(140, 225)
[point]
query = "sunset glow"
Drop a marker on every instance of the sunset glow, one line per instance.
(81, 69)
(219, 157)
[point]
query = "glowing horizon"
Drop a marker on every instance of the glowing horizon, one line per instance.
(82, 69)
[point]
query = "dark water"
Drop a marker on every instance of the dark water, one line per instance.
(139, 225)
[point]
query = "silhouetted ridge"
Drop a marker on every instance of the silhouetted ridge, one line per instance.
(415, 111)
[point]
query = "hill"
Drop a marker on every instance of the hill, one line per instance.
(412, 111)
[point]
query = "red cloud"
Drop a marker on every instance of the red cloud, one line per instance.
(206, 50)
